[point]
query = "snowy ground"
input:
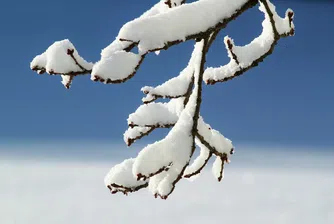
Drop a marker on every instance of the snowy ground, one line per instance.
(273, 186)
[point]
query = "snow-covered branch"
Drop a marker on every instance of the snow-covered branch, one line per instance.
(170, 31)
(135, 133)
(120, 179)
(117, 67)
(246, 57)
(176, 87)
(161, 165)
(61, 58)
(157, 114)
(200, 162)
(118, 64)
(182, 136)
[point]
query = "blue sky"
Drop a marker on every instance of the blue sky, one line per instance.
(288, 99)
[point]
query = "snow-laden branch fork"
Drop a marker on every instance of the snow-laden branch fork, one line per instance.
(159, 166)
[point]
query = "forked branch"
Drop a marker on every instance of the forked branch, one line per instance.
(163, 175)
(249, 56)
(161, 165)
(110, 70)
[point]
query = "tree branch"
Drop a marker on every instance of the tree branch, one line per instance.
(196, 36)
(198, 88)
(115, 188)
(217, 27)
(154, 96)
(135, 133)
(128, 47)
(70, 52)
(198, 165)
(161, 165)
(230, 71)
(145, 177)
(97, 78)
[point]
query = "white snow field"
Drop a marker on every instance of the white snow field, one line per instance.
(43, 185)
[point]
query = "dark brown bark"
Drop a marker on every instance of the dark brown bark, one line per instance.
(115, 188)
(130, 141)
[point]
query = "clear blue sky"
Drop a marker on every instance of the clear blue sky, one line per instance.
(288, 99)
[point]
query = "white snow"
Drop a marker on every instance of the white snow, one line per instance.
(174, 87)
(115, 64)
(218, 169)
(119, 45)
(163, 163)
(57, 60)
(164, 158)
(157, 114)
(152, 31)
(214, 138)
(158, 8)
(66, 80)
(177, 23)
(121, 175)
(283, 25)
(117, 67)
(154, 182)
(135, 132)
(199, 161)
(166, 153)
(264, 185)
(249, 53)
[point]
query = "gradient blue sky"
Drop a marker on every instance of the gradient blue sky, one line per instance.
(288, 99)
